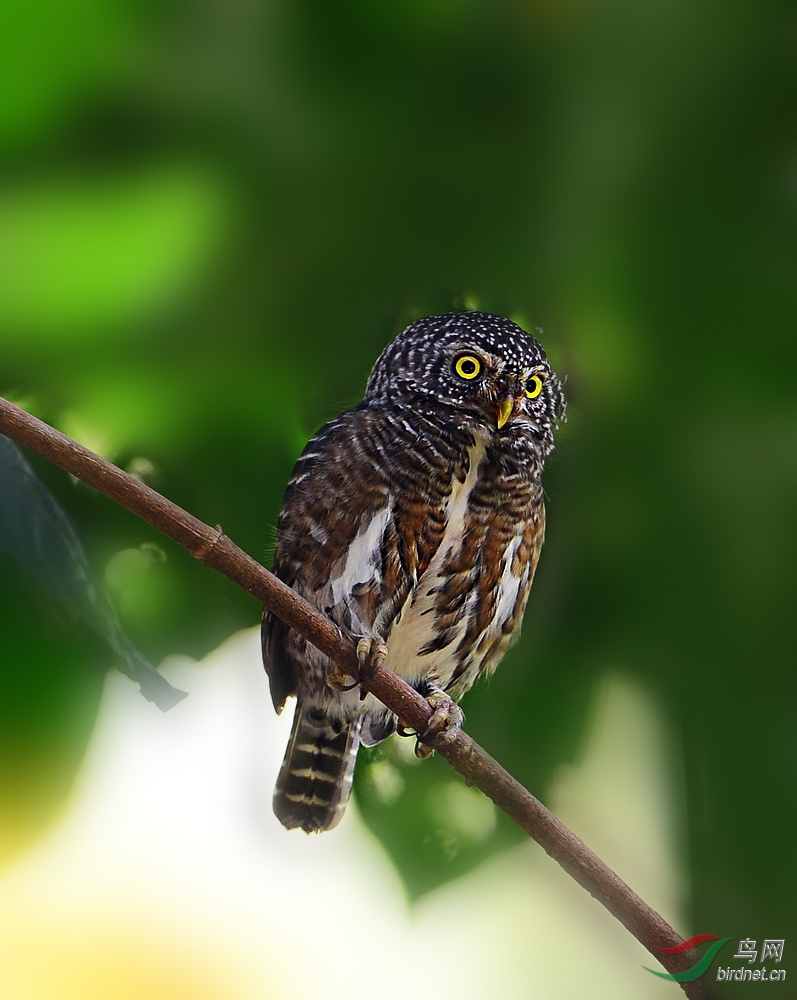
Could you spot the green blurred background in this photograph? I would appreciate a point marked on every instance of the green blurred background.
(215, 214)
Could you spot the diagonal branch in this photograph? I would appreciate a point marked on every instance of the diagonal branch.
(214, 549)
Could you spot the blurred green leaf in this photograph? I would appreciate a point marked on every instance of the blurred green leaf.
(52, 684)
(36, 532)
(79, 254)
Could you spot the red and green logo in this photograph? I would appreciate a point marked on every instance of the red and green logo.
(701, 966)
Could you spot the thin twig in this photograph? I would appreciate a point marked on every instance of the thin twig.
(214, 549)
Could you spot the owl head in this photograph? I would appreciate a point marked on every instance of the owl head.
(479, 365)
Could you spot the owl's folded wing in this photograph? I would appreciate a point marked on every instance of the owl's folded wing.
(363, 515)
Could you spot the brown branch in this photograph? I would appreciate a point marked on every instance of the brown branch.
(214, 549)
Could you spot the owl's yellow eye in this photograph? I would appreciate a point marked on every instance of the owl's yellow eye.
(467, 367)
(534, 386)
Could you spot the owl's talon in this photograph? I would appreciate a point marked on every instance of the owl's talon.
(371, 654)
(339, 680)
(444, 724)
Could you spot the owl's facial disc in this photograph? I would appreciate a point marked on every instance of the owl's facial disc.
(502, 393)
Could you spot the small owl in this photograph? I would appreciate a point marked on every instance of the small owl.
(415, 522)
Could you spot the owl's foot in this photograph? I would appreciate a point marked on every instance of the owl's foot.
(339, 680)
(445, 723)
(371, 654)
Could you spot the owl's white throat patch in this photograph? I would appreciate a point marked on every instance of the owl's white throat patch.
(457, 505)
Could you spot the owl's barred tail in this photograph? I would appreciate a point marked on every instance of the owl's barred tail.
(315, 779)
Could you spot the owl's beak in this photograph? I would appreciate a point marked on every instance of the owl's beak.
(505, 408)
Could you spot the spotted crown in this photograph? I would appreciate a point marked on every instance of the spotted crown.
(418, 363)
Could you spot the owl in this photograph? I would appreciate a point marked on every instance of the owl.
(414, 522)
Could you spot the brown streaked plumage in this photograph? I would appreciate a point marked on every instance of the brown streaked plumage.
(415, 520)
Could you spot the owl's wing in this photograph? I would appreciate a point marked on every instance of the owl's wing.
(363, 515)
